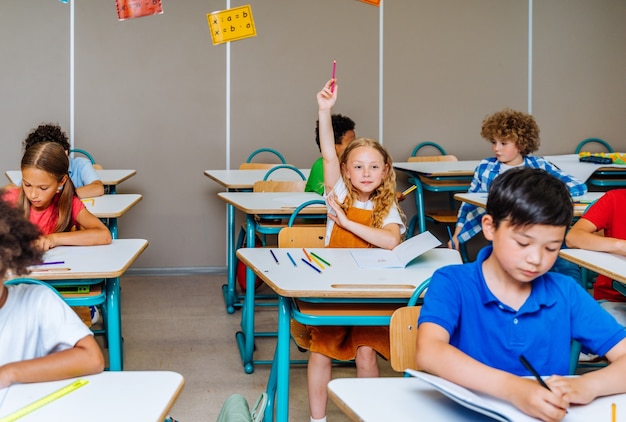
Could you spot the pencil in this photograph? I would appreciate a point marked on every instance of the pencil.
(311, 265)
(52, 263)
(306, 254)
(532, 370)
(613, 412)
(291, 259)
(316, 261)
(450, 234)
(275, 259)
(332, 86)
(320, 258)
(409, 190)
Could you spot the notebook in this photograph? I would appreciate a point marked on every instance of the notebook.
(398, 257)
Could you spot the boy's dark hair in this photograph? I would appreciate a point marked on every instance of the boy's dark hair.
(17, 241)
(341, 124)
(526, 196)
(47, 132)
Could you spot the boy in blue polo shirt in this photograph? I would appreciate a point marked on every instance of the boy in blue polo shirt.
(479, 318)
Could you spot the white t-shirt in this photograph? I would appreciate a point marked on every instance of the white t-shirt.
(36, 322)
(341, 191)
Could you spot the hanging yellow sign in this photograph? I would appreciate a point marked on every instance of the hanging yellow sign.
(231, 24)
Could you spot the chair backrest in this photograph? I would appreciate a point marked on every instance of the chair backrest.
(423, 158)
(89, 156)
(287, 167)
(279, 186)
(31, 281)
(596, 141)
(403, 337)
(302, 237)
(427, 144)
(266, 185)
(249, 165)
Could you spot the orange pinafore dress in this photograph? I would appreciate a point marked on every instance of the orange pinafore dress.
(339, 342)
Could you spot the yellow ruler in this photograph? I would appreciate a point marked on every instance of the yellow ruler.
(44, 401)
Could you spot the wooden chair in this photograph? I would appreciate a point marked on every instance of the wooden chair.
(249, 165)
(403, 338)
(445, 216)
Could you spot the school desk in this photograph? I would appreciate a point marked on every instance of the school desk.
(110, 177)
(267, 204)
(340, 283)
(580, 202)
(603, 175)
(108, 396)
(111, 207)
(436, 176)
(243, 180)
(89, 265)
(409, 399)
(608, 264)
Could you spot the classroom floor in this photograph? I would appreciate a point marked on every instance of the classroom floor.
(179, 323)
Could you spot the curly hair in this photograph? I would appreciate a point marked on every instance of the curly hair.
(341, 124)
(384, 197)
(17, 241)
(515, 125)
(51, 158)
(47, 132)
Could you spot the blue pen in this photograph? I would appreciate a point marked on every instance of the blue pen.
(450, 234)
(311, 265)
(291, 259)
(274, 256)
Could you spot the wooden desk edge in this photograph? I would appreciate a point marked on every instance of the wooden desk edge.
(120, 213)
(118, 181)
(44, 276)
(593, 267)
(174, 397)
(342, 406)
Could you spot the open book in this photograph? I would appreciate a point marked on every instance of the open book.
(500, 410)
(398, 257)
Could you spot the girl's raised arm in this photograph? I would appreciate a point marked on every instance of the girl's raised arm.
(326, 99)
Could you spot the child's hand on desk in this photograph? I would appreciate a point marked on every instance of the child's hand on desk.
(537, 401)
(574, 389)
(46, 242)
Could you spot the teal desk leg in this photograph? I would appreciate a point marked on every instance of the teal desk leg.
(114, 324)
(278, 383)
(113, 227)
(245, 338)
(229, 289)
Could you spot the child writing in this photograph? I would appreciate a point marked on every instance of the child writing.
(605, 215)
(81, 171)
(478, 319)
(48, 199)
(363, 212)
(513, 136)
(42, 338)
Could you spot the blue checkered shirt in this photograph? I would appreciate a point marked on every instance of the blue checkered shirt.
(470, 216)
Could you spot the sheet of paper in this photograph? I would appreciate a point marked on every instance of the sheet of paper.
(399, 257)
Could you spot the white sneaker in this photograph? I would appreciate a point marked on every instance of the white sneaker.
(95, 314)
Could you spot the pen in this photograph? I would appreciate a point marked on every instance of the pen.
(450, 234)
(332, 85)
(530, 368)
(321, 259)
(409, 190)
(274, 256)
(306, 254)
(291, 259)
(311, 265)
(52, 263)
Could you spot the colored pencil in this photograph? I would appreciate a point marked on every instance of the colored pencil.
(311, 265)
(320, 258)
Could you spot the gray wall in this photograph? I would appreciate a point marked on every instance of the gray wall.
(150, 92)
